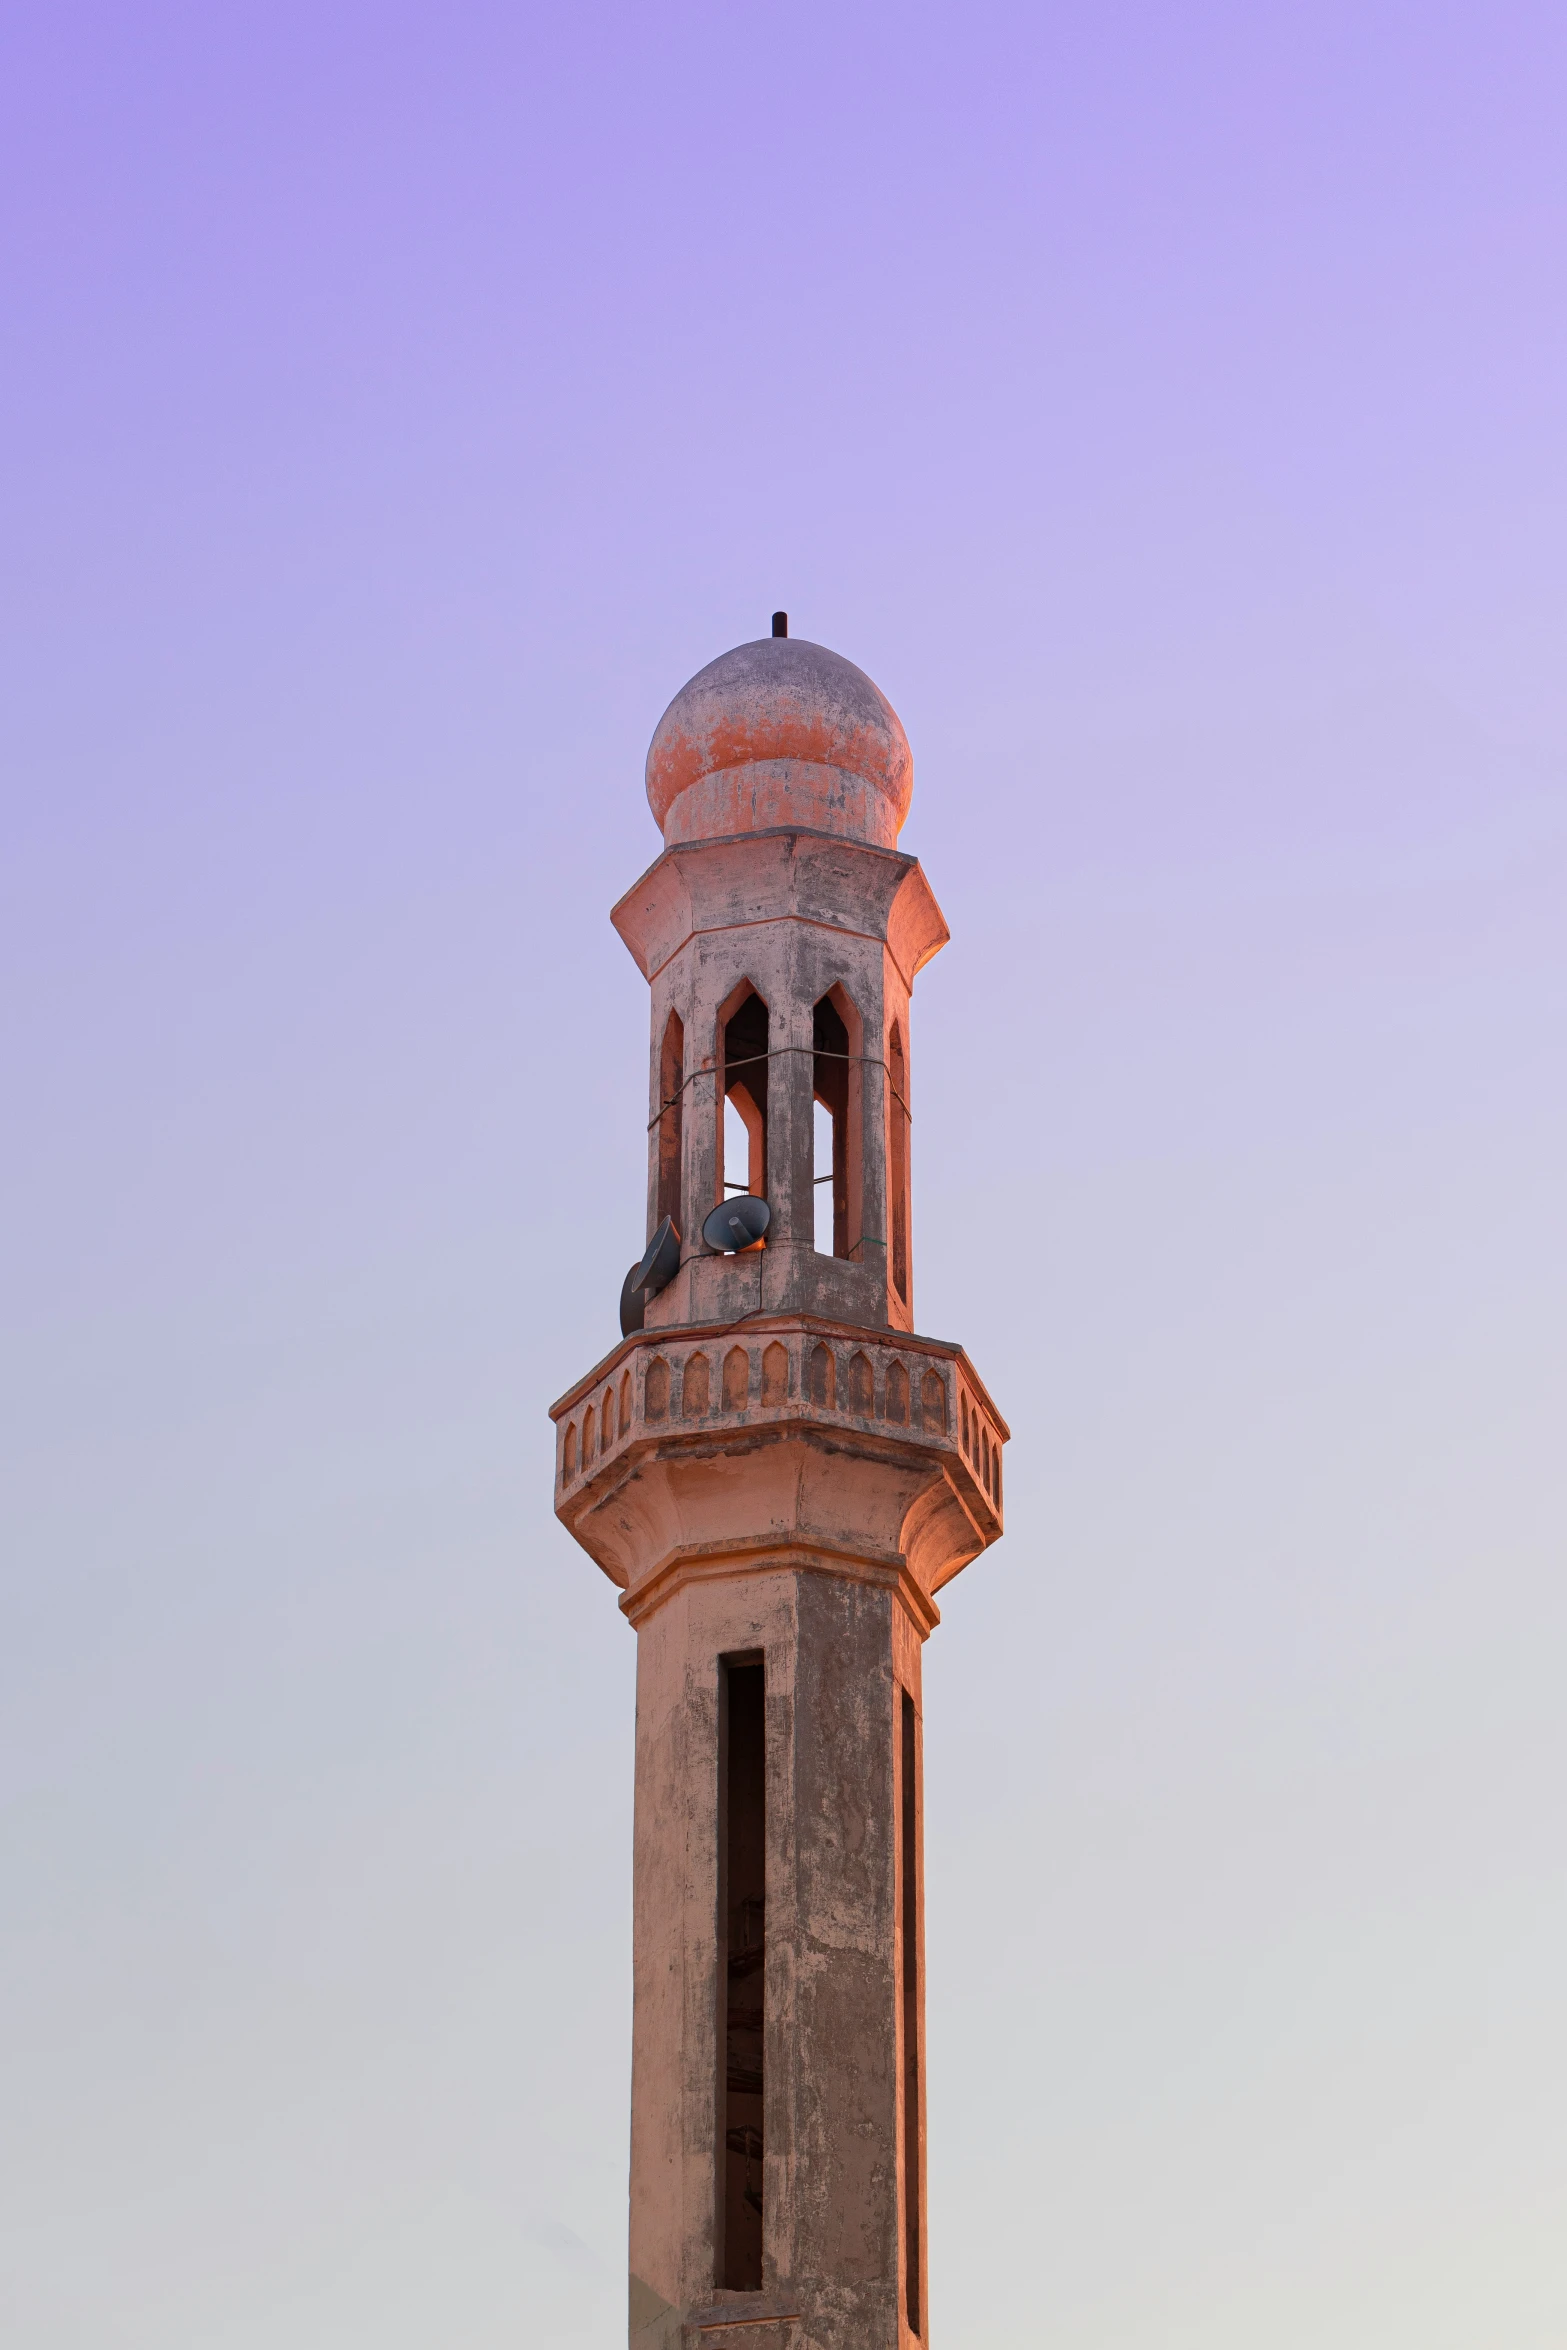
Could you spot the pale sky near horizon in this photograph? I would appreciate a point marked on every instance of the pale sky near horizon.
(1167, 408)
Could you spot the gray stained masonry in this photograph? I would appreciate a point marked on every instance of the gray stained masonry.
(779, 1474)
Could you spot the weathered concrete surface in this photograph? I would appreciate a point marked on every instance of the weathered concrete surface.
(897, 1478)
(836, 1664)
(777, 1470)
(793, 915)
(780, 732)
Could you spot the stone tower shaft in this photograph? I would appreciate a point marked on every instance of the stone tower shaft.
(779, 1475)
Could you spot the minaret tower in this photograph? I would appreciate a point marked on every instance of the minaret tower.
(779, 1475)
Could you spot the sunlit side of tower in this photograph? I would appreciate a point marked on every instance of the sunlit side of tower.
(779, 1475)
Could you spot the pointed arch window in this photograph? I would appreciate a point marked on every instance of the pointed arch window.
(671, 1118)
(898, 1159)
(743, 1032)
(835, 1087)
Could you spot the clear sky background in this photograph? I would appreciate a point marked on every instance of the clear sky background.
(1168, 408)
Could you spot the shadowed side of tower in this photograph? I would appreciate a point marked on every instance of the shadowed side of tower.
(779, 1475)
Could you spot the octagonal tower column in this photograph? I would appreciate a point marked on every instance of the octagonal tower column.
(780, 1475)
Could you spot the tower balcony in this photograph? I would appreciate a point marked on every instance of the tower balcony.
(787, 1442)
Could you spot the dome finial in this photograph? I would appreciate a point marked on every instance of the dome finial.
(780, 624)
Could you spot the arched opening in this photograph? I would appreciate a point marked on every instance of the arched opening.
(744, 1066)
(671, 1111)
(862, 1386)
(898, 1160)
(835, 1087)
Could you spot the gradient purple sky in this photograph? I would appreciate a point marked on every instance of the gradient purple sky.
(1169, 409)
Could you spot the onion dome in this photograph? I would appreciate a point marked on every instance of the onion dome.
(780, 732)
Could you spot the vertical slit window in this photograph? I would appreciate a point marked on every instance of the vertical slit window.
(745, 1099)
(910, 1939)
(898, 1171)
(830, 1085)
(671, 1112)
(742, 1918)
